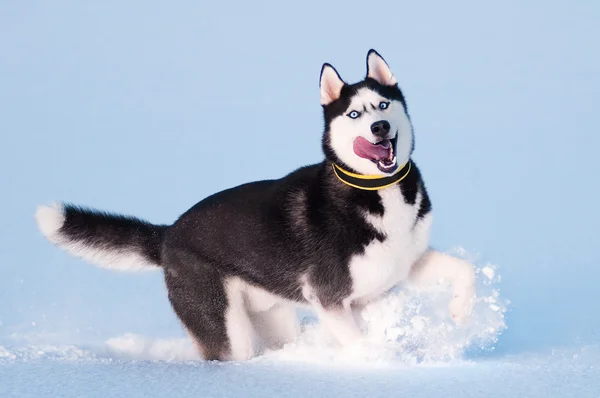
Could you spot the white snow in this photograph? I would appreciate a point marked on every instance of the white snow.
(132, 346)
(562, 373)
(411, 348)
(489, 272)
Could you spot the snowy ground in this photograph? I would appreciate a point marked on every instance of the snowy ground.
(561, 374)
(412, 349)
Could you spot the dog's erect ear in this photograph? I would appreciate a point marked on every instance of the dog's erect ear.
(379, 70)
(331, 84)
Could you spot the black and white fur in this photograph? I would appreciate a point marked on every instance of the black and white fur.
(238, 262)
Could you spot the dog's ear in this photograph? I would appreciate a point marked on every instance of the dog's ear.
(331, 84)
(378, 69)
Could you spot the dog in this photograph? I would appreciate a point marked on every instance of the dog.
(332, 236)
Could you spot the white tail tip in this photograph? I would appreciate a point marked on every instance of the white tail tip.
(50, 219)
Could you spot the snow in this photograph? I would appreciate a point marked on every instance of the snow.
(489, 272)
(571, 373)
(128, 106)
(412, 349)
(407, 330)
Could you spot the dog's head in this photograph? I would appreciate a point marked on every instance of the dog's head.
(367, 128)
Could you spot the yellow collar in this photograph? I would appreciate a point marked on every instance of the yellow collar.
(371, 182)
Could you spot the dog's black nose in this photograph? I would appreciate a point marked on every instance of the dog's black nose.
(380, 128)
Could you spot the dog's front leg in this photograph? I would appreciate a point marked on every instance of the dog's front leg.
(337, 318)
(435, 267)
(341, 323)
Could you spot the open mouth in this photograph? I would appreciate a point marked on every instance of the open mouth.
(382, 153)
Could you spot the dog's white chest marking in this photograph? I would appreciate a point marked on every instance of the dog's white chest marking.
(385, 264)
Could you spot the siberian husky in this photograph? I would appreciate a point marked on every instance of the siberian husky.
(333, 235)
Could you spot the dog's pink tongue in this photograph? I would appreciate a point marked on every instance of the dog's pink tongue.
(365, 149)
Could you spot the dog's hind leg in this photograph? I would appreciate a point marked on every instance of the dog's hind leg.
(277, 326)
(241, 335)
(200, 301)
(211, 309)
(435, 267)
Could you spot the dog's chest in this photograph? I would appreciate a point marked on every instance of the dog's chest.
(384, 264)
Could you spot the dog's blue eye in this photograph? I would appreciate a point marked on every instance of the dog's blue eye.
(383, 105)
(354, 114)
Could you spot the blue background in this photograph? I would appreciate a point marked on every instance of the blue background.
(147, 107)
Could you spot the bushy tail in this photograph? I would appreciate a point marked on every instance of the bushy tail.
(109, 240)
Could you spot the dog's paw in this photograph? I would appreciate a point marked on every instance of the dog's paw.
(461, 306)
